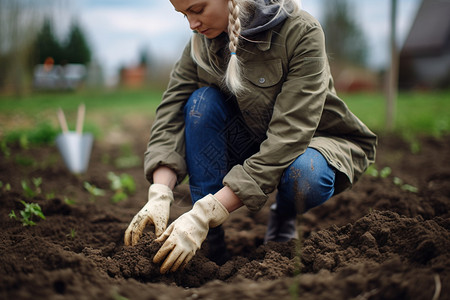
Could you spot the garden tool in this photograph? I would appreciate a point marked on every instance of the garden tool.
(75, 146)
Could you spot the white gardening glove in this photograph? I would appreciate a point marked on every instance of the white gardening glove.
(186, 234)
(155, 212)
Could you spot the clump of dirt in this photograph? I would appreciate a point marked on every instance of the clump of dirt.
(379, 240)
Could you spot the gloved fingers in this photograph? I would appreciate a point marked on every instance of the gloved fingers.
(180, 260)
(171, 254)
(130, 229)
(165, 248)
(138, 228)
(187, 260)
(160, 225)
(165, 234)
(127, 237)
(173, 260)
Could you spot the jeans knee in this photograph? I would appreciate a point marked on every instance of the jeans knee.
(308, 182)
(204, 104)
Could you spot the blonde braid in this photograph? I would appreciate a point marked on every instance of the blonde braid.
(233, 73)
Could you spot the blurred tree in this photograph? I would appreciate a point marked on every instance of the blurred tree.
(46, 45)
(18, 23)
(144, 57)
(345, 40)
(77, 50)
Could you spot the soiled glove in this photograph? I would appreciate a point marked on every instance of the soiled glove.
(186, 234)
(155, 212)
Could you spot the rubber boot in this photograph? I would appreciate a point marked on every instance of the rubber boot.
(280, 228)
(217, 248)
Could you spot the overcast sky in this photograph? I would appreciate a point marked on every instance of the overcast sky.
(118, 29)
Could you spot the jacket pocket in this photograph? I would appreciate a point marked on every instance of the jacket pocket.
(264, 73)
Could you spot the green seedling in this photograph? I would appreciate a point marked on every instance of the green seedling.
(117, 296)
(69, 201)
(372, 171)
(37, 184)
(122, 186)
(5, 187)
(12, 215)
(93, 190)
(5, 149)
(127, 158)
(72, 233)
(29, 192)
(404, 186)
(27, 214)
(41, 134)
(385, 172)
(24, 160)
(409, 188)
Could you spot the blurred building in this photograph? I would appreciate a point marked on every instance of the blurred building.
(49, 76)
(133, 77)
(425, 56)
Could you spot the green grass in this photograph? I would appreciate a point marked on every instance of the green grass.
(109, 102)
(417, 113)
(424, 113)
(26, 117)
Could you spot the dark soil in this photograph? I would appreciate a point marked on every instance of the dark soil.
(380, 240)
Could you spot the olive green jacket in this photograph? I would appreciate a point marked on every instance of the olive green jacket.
(291, 104)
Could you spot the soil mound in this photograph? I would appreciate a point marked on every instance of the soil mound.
(387, 238)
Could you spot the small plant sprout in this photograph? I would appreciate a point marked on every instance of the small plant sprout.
(93, 190)
(122, 186)
(72, 233)
(37, 184)
(69, 201)
(27, 214)
(404, 186)
(127, 158)
(50, 196)
(5, 186)
(5, 149)
(12, 215)
(372, 171)
(385, 172)
(30, 192)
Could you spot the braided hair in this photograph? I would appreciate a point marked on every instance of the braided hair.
(233, 73)
(238, 12)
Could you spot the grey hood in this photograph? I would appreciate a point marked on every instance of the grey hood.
(262, 16)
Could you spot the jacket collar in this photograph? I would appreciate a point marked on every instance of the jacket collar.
(263, 41)
(218, 43)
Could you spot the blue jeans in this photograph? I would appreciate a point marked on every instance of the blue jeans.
(217, 138)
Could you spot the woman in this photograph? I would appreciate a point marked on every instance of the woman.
(250, 108)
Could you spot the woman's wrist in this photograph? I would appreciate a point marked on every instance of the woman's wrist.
(228, 199)
(165, 175)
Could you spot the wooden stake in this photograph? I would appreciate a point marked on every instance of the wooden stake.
(62, 121)
(80, 118)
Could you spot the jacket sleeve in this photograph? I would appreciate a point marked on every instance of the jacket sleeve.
(296, 115)
(166, 145)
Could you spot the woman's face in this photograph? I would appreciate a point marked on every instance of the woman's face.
(208, 17)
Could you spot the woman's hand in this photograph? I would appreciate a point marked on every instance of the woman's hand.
(155, 212)
(186, 234)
